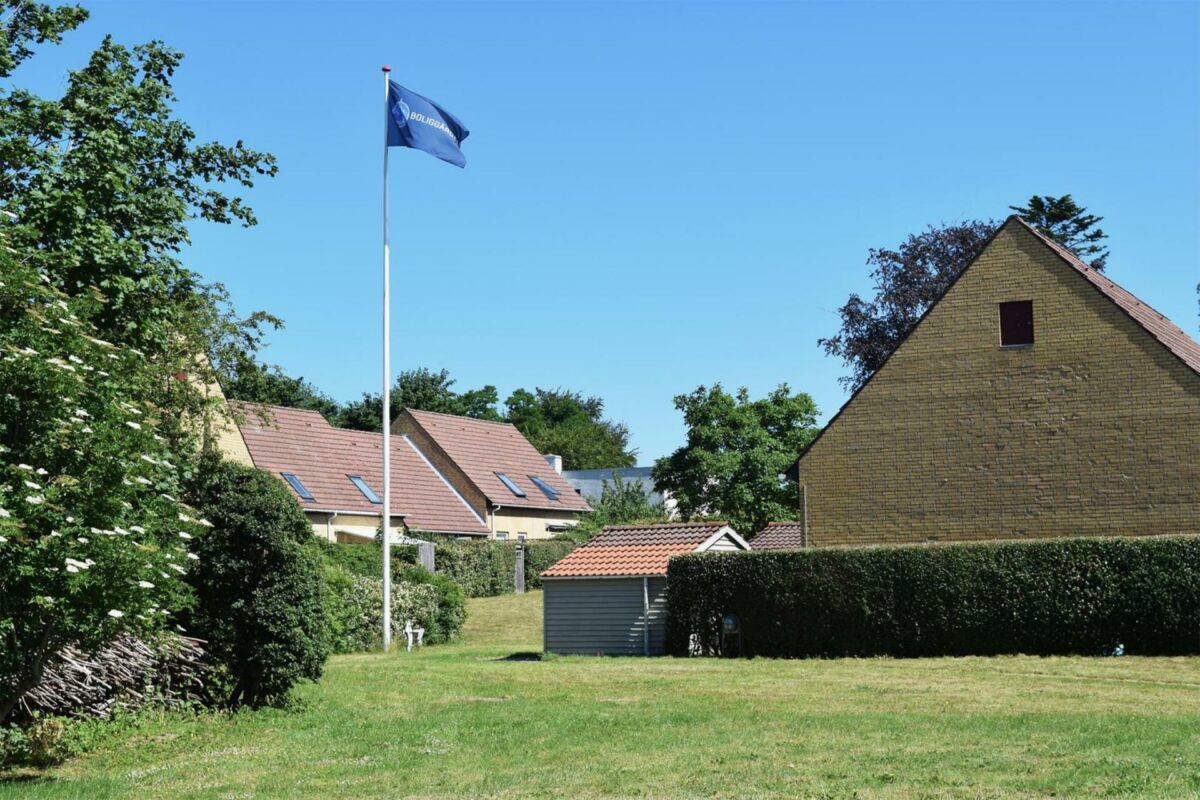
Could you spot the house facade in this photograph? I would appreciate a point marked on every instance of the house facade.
(337, 477)
(516, 490)
(1036, 398)
(440, 469)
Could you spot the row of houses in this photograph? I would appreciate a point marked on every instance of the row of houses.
(1036, 398)
(450, 475)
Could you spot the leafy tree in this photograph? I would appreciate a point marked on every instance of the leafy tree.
(910, 278)
(424, 390)
(1062, 219)
(736, 454)
(269, 385)
(571, 425)
(92, 539)
(621, 502)
(260, 588)
(104, 182)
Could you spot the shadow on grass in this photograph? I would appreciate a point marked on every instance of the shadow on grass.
(525, 656)
(23, 776)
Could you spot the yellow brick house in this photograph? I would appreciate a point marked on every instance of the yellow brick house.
(1036, 398)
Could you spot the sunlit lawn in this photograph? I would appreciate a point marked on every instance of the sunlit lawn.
(464, 720)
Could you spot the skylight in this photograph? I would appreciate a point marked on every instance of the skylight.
(295, 483)
(367, 491)
(512, 487)
(546, 488)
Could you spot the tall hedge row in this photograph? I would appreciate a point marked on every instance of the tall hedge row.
(1063, 596)
(487, 568)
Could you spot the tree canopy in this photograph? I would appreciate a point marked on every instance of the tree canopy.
(421, 389)
(1064, 221)
(736, 455)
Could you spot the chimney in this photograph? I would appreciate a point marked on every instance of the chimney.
(554, 461)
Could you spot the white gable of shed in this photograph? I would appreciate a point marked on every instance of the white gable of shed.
(723, 541)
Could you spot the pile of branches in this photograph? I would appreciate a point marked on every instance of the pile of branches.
(128, 673)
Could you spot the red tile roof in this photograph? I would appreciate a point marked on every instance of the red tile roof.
(779, 536)
(302, 442)
(633, 550)
(481, 449)
(1166, 332)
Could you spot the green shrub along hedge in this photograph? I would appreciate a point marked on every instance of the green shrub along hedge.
(1063, 596)
(354, 595)
(487, 568)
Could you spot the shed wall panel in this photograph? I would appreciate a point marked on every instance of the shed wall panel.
(602, 616)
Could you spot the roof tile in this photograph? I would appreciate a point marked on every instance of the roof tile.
(779, 536)
(633, 550)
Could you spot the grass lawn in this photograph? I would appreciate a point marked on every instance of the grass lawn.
(465, 720)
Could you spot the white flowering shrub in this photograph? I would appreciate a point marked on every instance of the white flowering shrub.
(93, 541)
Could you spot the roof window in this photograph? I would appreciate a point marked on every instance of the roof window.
(296, 484)
(367, 491)
(546, 488)
(512, 487)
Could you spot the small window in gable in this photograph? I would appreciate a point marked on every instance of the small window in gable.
(296, 484)
(1016, 323)
(512, 487)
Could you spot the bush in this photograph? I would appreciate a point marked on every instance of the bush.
(1067, 596)
(260, 589)
(487, 568)
(541, 555)
(433, 602)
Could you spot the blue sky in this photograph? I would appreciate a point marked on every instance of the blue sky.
(661, 195)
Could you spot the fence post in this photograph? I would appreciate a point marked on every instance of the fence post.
(425, 555)
(519, 569)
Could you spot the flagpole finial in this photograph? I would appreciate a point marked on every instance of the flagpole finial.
(386, 68)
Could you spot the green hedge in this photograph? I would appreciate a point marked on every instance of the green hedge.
(1063, 596)
(486, 568)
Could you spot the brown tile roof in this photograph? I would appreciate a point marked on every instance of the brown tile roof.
(779, 536)
(302, 442)
(481, 449)
(633, 550)
(1166, 332)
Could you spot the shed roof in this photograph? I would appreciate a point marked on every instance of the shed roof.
(481, 449)
(639, 550)
(322, 457)
(779, 536)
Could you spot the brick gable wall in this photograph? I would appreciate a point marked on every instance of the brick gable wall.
(1092, 430)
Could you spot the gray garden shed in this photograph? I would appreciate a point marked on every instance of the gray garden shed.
(608, 597)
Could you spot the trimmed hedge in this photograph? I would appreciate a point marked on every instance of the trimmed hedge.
(486, 568)
(1063, 596)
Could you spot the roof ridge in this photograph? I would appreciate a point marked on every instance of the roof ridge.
(651, 525)
(459, 416)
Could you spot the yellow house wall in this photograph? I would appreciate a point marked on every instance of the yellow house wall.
(529, 521)
(348, 527)
(1092, 430)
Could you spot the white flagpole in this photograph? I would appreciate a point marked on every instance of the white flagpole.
(387, 390)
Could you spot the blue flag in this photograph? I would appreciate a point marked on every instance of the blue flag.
(418, 122)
